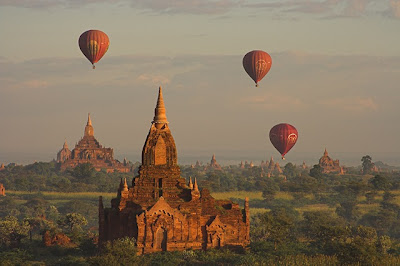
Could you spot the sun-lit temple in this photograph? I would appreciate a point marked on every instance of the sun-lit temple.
(165, 212)
(89, 150)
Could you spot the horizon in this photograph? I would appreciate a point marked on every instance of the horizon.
(334, 76)
(226, 158)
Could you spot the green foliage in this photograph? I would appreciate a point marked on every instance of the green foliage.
(84, 170)
(316, 171)
(275, 226)
(12, 231)
(290, 170)
(118, 252)
(367, 165)
(73, 221)
(380, 182)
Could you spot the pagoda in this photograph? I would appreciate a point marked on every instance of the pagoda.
(329, 165)
(163, 211)
(89, 150)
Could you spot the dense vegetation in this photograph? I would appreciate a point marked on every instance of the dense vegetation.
(299, 217)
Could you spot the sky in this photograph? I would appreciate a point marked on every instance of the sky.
(335, 77)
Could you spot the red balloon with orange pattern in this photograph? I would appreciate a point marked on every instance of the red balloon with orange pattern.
(257, 64)
(283, 137)
(94, 44)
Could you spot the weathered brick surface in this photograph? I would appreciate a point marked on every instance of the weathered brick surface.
(163, 213)
(329, 165)
(2, 190)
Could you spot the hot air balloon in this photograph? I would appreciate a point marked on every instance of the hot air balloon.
(283, 137)
(94, 44)
(257, 63)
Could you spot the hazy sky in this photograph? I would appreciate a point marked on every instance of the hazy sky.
(335, 76)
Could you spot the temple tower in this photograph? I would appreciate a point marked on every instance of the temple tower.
(162, 212)
(89, 131)
(64, 154)
(159, 174)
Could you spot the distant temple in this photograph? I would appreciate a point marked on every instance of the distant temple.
(164, 213)
(2, 167)
(89, 150)
(213, 164)
(328, 165)
(271, 167)
(2, 190)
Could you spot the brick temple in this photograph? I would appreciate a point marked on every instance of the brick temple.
(163, 211)
(89, 150)
(2, 190)
(329, 165)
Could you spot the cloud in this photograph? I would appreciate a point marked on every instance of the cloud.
(330, 9)
(356, 104)
(154, 79)
(394, 9)
(273, 101)
(45, 4)
(210, 7)
(31, 84)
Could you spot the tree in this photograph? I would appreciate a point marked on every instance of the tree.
(275, 226)
(367, 165)
(119, 252)
(74, 222)
(348, 209)
(360, 247)
(84, 170)
(380, 182)
(12, 231)
(270, 189)
(316, 171)
(289, 170)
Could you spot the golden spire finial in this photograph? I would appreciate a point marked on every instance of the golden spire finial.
(125, 187)
(65, 146)
(196, 187)
(160, 116)
(89, 121)
(89, 128)
(190, 182)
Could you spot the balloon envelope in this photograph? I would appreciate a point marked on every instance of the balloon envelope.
(283, 137)
(257, 63)
(94, 44)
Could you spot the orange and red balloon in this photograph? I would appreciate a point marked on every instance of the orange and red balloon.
(94, 44)
(257, 63)
(283, 137)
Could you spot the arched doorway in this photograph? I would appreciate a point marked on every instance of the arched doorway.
(161, 239)
(216, 242)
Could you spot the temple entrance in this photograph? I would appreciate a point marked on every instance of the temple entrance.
(161, 239)
(216, 242)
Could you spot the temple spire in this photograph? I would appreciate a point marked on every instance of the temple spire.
(195, 187)
(325, 152)
(125, 186)
(89, 128)
(89, 121)
(190, 182)
(65, 146)
(160, 117)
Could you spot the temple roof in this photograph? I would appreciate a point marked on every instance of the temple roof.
(160, 116)
(89, 131)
